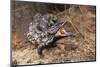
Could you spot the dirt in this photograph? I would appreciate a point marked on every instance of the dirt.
(82, 47)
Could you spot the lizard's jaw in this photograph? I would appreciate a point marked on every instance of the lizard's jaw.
(62, 32)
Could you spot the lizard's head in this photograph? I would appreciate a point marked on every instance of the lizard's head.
(58, 30)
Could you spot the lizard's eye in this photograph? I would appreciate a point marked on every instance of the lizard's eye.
(52, 20)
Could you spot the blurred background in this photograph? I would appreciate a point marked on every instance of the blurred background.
(82, 20)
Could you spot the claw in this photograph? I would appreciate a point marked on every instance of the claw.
(40, 51)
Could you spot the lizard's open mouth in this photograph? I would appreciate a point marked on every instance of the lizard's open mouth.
(58, 30)
(62, 32)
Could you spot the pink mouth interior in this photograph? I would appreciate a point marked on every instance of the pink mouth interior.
(61, 32)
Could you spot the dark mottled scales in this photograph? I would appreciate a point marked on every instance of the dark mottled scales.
(38, 30)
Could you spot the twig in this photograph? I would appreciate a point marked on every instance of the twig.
(82, 15)
(57, 9)
(74, 26)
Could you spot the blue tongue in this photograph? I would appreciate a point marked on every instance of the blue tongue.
(70, 34)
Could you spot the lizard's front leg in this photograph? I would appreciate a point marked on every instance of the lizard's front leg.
(40, 49)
